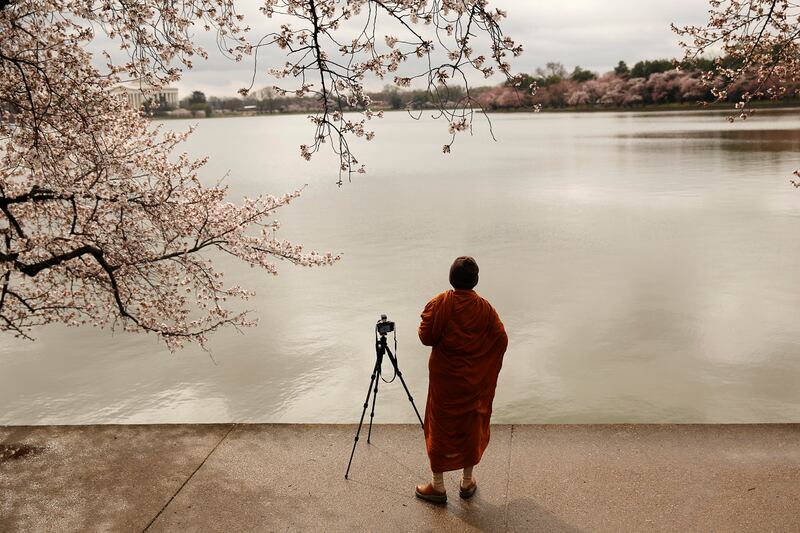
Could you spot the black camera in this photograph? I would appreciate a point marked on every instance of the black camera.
(384, 326)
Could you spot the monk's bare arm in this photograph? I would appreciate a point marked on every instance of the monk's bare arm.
(426, 326)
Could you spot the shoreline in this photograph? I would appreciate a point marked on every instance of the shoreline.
(661, 108)
(244, 477)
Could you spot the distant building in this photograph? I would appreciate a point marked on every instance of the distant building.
(138, 93)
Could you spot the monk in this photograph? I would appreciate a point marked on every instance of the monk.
(468, 341)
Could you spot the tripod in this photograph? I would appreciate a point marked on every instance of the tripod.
(381, 348)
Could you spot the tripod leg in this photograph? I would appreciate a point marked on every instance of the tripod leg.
(361, 422)
(400, 375)
(372, 413)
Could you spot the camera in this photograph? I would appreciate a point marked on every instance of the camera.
(384, 326)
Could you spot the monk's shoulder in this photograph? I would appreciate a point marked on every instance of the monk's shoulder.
(442, 296)
(489, 308)
(483, 301)
(436, 300)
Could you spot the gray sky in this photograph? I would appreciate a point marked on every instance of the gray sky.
(594, 34)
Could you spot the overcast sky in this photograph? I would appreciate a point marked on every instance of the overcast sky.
(594, 34)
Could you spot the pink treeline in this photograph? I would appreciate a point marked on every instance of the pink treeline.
(613, 90)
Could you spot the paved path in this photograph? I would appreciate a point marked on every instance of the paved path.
(291, 478)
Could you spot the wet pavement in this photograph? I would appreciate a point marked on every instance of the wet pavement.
(285, 477)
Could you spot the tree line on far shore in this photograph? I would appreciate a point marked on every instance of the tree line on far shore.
(646, 83)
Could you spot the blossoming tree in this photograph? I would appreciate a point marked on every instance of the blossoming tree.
(104, 222)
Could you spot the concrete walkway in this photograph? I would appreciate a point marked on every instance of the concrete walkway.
(291, 478)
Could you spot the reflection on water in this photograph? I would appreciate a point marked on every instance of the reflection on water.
(645, 265)
(734, 140)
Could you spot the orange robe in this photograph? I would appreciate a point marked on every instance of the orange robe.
(468, 341)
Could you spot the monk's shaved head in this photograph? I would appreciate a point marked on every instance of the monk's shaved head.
(464, 273)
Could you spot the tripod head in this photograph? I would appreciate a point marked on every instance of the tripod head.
(384, 326)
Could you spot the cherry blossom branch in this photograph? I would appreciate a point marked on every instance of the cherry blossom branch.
(343, 68)
(103, 223)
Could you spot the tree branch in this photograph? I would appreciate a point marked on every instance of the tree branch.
(32, 270)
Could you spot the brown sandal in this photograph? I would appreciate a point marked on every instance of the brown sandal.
(428, 493)
(467, 493)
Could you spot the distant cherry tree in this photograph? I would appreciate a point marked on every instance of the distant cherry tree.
(612, 90)
(104, 222)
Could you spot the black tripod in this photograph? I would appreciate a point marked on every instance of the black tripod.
(381, 329)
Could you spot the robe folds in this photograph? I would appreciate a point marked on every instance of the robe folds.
(468, 341)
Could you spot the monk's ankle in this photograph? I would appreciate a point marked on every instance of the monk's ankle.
(466, 477)
(438, 481)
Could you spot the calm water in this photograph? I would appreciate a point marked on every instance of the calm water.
(646, 267)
